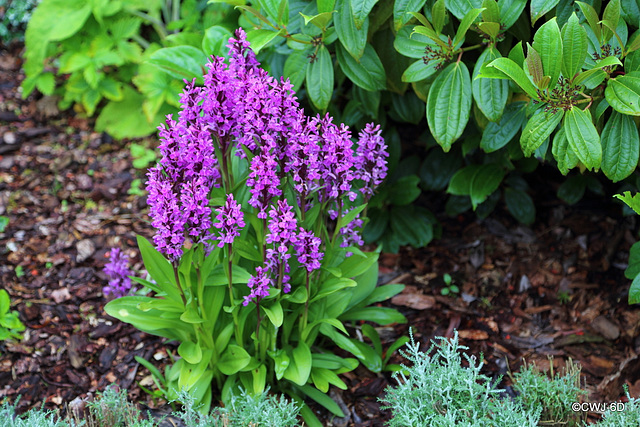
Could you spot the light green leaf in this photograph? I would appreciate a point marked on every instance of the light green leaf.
(159, 268)
(181, 62)
(368, 73)
(360, 10)
(620, 147)
(540, 7)
(634, 291)
(498, 134)
(295, 67)
(299, 367)
(564, 155)
(320, 79)
(215, 40)
(592, 18)
(449, 104)
(548, 43)
(352, 38)
(583, 137)
(611, 15)
(320, 20)
(260, 38)
(575, 45)
(411, 44)
(623, 94)
(379, 315)
(538, 129)
(491, 12)
(634, 257)
(606, 62)
(510, 11)
(233, 360)
(419, 71)
(466, 22)
(190, 351)
(490, 94)
(401, 9)
(274, 313)
(438, 15)
(515, 72)
(460, 8)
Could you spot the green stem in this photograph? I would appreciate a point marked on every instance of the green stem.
(234, 313)
(175, 15)
(156, 23)
(142, 42)
(305, 316)
(468, 48)
(175, 274)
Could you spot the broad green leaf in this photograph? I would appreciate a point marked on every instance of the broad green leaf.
(274, 313)
(583, 137)
(323, 377)
(181, 62)
(402, 9)
(299, 367)
(562, 152)
(575, 45)
(510, 11)
(411, 44)
(623, 94)
(516, 54)
(634, 291)
(520, 205)
(491, 12)
(438, 15)
(383, 293)
(5, 303)
(476, 181)
(611, 15)
(360, 10)
(449, 104)
(419, 71)
(260, 38)
(404, 191)
(233, 360)
(322, 399)
(320, 20)
(295, 67)
(592, 18)
(634, 203)
(460, 8)
(190, 351)
(353, 39)
(379, 315)
(320, 79)
(498, 134)
(159, 268)
(426, 31)
(326, 5)
(466, 22)
(280, 362)
(548, 43)
(490, 94)
(215, 40)
(515, 72)
(620, 147)
(606, 62)
(368, 72)
(540, 7)
(492, 29)
(538, 129)
(411, 226)
(437, 169)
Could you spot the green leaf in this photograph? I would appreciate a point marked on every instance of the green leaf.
(498, 134)
(623, 94)
(233, 360)
(320, 20)
(274, 313)
(299, 367)
(633, 269)
(606, 62)
(379, 315)
(215, 40)
(592, 18)
(548, 43)
(466, 22)
(181, 62)
(353, 39)
(520, 205)
(410, 43)
(437, 169)
(575, 45)
(634, 291)
(538, 129)
(190, 351)
(260, 38)
(368, 72)
(572, 190)
(419, 71)
(360, 10)
(491, 12)
(5, 304)
(562, 152)
(460, 8)
(541, 7)
(320, 79)
(402, 9)
(620, 147)
(404, 191)
(490, 94)
(280, 362)
(515, 72)
(159, 268)
(583, 137)
(611, 15)
(323, 377)
(438, 15)
(510, 11)
(411, 225)
(322, 399)
(449, 104)
(476, 181)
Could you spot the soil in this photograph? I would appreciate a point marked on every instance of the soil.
(556, 288)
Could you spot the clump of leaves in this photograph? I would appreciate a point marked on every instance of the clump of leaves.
(554, 393)
(628, 417)
(10, 324)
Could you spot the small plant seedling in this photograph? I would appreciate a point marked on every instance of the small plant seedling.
(4, 221)
(19, 271)
(10, 324)
(136, 188)
(142, 156)
(563, 297)
(450, 287)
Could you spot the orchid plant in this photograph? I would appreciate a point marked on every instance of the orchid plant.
(255, 265)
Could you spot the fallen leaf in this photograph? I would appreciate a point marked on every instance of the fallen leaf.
(473, 334)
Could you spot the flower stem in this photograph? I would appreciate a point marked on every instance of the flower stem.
(234, 313)
(175, 274)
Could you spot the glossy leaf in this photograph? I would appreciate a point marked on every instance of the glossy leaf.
(634, 203)
(583, 77)
(620, 147)
(623, 93)
(260, 38)
(233, 360)
(583, 137)
(490, 94)
(510, 11)
(575, 45)
(592, 18)
(515, 72)
(215, 40)
(181, 62)
(476, 181)
(353, 39)
(538, 129)
(466, 22)
(540, 7)
(360, 10)
(611, 15)
(634, 291)
(498, 134)
(295, 67)
(299, 367)
(520, 205)
(438, 15)
(419, 71)
(460, 8)
(190, 351)
(491, 12)
(548, 43)
(565, 157)
(411, 44)
(402, 9)
(320, 79)
(368, 72)
(379, 315)
(449, 104)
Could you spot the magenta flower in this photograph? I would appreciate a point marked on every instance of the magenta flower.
(307, 248)
(259, 284)
(230, 221)
(371, 159)
(117, 270)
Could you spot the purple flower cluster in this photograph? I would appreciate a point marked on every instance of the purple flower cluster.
(308, 250)
(371, 159)
(230, 221)
(117, 270)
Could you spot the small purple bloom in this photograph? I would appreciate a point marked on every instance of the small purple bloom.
(371, 159)
(282, 235)
(230, 221)
(263, 181)
(259, 284)
(117, 270)
(336, 158)
(308, 250)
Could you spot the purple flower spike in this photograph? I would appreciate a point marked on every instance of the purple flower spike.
(263, 180)
(230, 220)
(259, 284)
(337, 159)
(308, 250)
(117, 270)
(371, 159)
